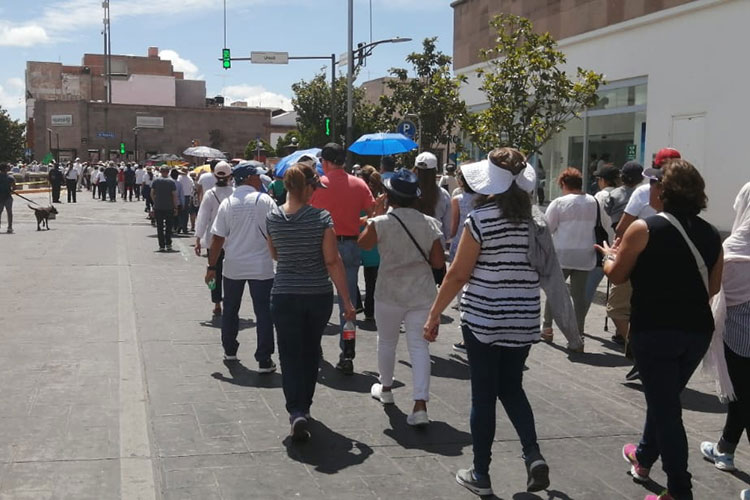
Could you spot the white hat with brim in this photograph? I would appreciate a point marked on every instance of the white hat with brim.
(484, 177)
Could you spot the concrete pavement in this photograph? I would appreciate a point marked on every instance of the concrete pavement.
(112, 386)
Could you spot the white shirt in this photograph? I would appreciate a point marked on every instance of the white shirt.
(139, 173)
(444, 214)
(571, 219)
(638, 204)
(100, 176)
(72, 174)
(207, 180)
(207, 212)
(187, 185)
(241, 219)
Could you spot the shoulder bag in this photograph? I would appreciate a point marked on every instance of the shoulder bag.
(600, 234)
(413, 240)
(702, 268)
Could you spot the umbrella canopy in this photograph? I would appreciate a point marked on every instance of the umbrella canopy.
(204, 152)
(201, 169)
(164, 157)
(291, 159)
(382, 144)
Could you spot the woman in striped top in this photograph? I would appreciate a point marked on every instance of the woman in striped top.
(302, 241)
(499, 310)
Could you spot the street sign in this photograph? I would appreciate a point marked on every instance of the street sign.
(343, 59)
(106, 135)
(269, 57)
(408, 128)
(630, 154)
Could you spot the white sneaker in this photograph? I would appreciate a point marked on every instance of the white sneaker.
(722, 461)
(230, 358)
(418, 419)
(377, 392)
(745, 495)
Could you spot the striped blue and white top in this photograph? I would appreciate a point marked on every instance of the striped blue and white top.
(500, 304)
(298, 240)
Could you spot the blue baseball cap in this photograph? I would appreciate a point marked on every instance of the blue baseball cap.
(246, 169)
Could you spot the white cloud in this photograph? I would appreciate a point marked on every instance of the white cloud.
(256, 96)
(22, 36)
(185, 65)
(12, 97)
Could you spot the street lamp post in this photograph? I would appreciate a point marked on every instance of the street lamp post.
(135, 134)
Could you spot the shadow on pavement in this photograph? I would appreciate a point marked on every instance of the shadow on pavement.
(603, 359)
(741, 475)
(329, 376)
(215, 322)
(438, 437)
(326, 450)
(245, 377)
(692, 400)
(453, 367)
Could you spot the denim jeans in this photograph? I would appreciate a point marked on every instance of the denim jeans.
(497, 373)
(300, 321)
(350, 254)
(666, 360)
(592, 283)
(6, 204)
(164, 226)
(260, 292)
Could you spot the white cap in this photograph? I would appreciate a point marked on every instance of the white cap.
(222, 169)
(426, 161)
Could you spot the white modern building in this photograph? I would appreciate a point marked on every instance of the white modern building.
(676, 71)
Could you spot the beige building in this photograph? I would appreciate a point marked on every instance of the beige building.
(153, 109)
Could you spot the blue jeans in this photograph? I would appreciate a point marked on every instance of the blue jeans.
(666, 360)
(350, 254)
(260, 292)
(497, 373)
(592, 283)
(300, 321)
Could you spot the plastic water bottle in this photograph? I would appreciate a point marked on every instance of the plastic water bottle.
(349, 336)
(212, 284)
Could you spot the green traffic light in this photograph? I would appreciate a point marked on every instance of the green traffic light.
(226, 58)
(122, 148)
(328, 126)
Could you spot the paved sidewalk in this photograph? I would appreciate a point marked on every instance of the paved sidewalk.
(112, 386)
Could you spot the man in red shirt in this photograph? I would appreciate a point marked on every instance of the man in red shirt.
(346, 197)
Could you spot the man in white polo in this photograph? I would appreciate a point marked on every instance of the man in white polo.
(240, 229)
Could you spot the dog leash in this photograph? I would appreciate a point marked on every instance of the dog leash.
(20, 196)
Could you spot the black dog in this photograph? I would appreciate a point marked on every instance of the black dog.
(42, 215)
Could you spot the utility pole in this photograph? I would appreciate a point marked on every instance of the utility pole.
(350, 84)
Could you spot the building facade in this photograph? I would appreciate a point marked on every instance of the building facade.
(150, 109)
(673, 71)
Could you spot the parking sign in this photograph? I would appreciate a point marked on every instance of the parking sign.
(408, 128)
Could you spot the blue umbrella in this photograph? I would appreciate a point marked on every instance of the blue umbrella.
(291, 159)
(382, 144)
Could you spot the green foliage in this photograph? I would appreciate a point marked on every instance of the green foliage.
(530, 98)
(252, 148)
(285, 141)
(432, 93)
(312, 102)
(11, 138)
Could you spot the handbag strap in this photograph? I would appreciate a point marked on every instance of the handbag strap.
(421, 252)
(696, 254)
(598, 213)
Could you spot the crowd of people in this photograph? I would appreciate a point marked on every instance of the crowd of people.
(473, 237)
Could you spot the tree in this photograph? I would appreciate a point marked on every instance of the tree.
(312, 102)
(432, 94)
(11, 138)
(251, 149)
(283, 142)
(530, 98)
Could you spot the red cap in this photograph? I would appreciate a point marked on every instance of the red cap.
(665, 154)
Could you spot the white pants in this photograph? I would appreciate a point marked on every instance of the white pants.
(389, 318)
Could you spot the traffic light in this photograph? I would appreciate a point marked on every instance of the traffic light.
(327, 122)
(360, 54)
(122, 148)
(226, 58)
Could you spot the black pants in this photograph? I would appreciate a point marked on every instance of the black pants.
(138, 192)
(738, 415)
(56, 192)
(93, 190)
(371, 277)
(71, 185)
(216, 292)
(164, 221)
(300, 321)
(439, 275)
(103, 187)
(128, 194)
(112, 190)
(666, 360)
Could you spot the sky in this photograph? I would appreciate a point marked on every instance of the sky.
(191, 34)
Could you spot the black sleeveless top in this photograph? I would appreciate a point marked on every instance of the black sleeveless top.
(668, 292)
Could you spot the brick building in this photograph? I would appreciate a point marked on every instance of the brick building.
(153, 109)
